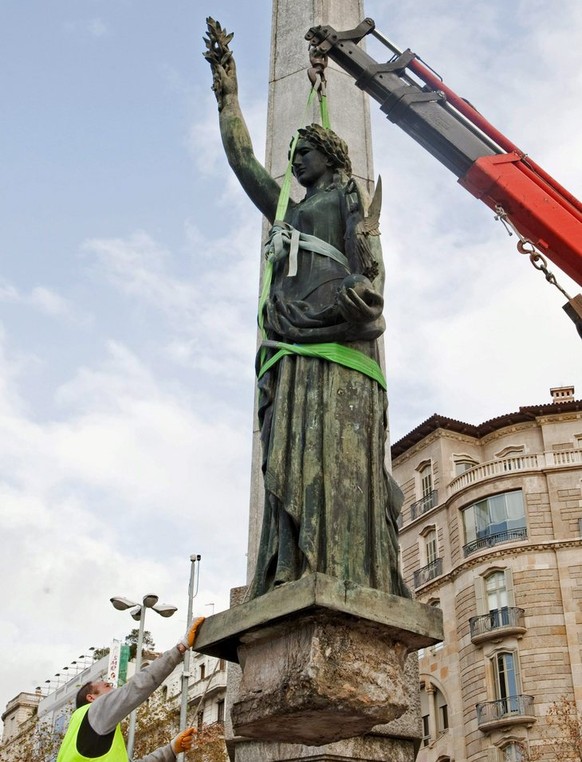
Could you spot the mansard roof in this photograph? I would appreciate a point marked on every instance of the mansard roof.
(524, 414)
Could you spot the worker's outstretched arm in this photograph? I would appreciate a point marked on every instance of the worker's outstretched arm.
(110, 708)
(168, 753)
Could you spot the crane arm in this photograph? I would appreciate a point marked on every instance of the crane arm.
(484, 161)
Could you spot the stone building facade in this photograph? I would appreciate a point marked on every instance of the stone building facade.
(491, 532)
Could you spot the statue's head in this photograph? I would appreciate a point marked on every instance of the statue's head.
(331, 146)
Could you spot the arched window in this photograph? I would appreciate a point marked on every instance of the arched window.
(434, 712)
(512, 752)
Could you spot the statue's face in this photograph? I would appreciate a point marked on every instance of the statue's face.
(310, 164)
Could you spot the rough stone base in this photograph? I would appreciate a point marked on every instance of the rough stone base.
(329, 677)
(323, 660)
(372, 748)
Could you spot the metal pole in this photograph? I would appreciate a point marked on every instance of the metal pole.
(186, 670)
(133, 715)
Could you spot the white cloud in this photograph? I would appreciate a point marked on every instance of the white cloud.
(210, 310)
(112, 499)
(94, 27)
(97, 27)
(44, 300)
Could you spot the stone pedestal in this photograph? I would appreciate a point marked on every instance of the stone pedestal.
(372, 748)
(322, 659)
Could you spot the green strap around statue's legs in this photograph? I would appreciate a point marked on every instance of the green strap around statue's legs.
(330, 351)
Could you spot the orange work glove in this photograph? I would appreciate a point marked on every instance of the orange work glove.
(183, 741)
(190, 636)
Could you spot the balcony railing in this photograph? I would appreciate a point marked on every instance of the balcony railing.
(507, 620)
(428, 572)
(523, 462)
(511, 710)
(423, 505)
(510, 535)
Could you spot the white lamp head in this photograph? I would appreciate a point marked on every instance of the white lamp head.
(165, 609)
(121, 603)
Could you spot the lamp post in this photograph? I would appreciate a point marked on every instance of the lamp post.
(192, 593)
(138, 613)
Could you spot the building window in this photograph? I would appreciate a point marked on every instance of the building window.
(443, 718)
(463, 464)
(434, 712)
(200, 720)
(495, 606)
(495, 519)
(433, 566)
(220, 708)
(202, 671)
(496, 590)
(425, 730)
(512, 752)
(435, 602)
(424, 486)
(497, 598)
(426, 480)
(430, 546)
(505, 673)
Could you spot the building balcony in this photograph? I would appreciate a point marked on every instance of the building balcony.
(428, 572)
(497, 624)
(513, 710)
(515, 463)
(423, 505)
(509, 535)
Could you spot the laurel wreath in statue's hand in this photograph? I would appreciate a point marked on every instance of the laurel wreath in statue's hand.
(221, 60)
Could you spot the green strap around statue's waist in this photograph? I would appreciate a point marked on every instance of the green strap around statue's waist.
(330, 351)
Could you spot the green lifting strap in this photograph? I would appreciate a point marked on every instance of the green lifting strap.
(330, 351)
(286, 184)
(324, 112)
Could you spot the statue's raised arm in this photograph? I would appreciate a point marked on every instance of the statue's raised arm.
(254, 178)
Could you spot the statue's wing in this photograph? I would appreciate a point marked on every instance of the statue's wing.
(372, 221)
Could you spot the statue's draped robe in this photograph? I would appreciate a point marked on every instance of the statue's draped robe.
(330, 505)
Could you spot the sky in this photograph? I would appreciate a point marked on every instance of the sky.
(128, 290)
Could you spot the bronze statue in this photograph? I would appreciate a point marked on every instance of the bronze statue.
(330, 505)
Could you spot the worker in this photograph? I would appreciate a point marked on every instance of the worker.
(94, 731)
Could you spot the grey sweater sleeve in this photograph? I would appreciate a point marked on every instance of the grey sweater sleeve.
(163, 754)
(110, 708)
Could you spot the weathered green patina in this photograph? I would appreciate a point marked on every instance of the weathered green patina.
(330, 505)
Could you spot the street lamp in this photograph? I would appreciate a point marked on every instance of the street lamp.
(192, 593)
(138, 613)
